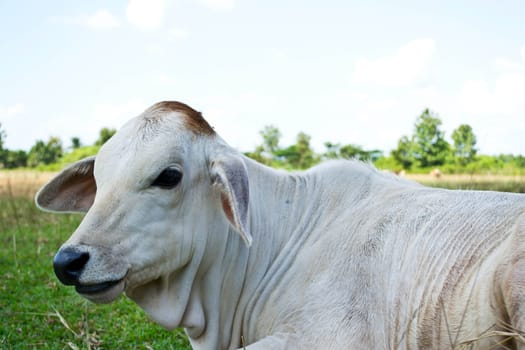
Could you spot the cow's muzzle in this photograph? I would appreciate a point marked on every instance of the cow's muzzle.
(68, 265)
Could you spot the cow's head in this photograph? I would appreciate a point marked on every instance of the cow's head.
(153, 197)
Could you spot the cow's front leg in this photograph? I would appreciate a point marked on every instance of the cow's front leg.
(278, 341)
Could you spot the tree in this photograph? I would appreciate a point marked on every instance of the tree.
(333, 150)
(404, 153)
(45, 153)
(350, 151)
(104, 135)
(2, 137)
(271, 136)
(15, 159)
(430, 147)
(3, 152)
(305, 152)
(266, 153)
(300, 155)
(258, 156)
(464, 144)
(75, 143)
(10, 159)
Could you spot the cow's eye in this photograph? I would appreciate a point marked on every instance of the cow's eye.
(168, 178)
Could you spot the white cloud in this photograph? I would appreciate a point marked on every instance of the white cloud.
(13, 110)
(407, 66)
(14, 121)
(165, 79)
(494, 107)
(155, 49)
(233, 117)
(146, 14)
(178, 33)
(475, 97)
(371, 119)
(219, 5)
(102, 19)
(8, 115)
(69, 123)
(505, 96)
(377, 118)
(89, 124)
(116, 114)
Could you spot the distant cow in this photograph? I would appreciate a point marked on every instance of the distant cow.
(338, 257)
(435, 173)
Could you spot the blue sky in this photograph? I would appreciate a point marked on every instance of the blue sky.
(341, 71)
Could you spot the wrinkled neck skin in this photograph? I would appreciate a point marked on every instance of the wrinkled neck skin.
(218, 296)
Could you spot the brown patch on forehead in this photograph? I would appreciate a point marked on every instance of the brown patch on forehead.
(192, 119)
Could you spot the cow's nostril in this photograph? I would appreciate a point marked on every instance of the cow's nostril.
(68, 265)
(78, 264)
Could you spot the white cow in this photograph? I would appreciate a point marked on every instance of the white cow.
(337, 257)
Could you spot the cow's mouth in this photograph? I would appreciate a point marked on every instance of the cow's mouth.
(96, 288)
(103, 292)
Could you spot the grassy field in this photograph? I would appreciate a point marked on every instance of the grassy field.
(473, 182)
(36, 312)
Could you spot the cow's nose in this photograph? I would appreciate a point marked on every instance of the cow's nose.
(68, 265)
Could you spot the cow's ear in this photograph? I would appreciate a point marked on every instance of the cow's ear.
(72, 190)
(229, 174)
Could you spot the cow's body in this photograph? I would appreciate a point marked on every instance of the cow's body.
(343, 257)
(365, 260)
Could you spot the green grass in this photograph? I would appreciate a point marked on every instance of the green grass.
(37, 312)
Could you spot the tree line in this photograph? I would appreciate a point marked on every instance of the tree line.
(50, 152)
(425, 149)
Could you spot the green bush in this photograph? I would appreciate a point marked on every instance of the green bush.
(71, 157)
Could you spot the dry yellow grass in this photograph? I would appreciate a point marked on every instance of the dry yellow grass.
(25, 183)
(506, 183)
(465, 178)
(22, 183)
